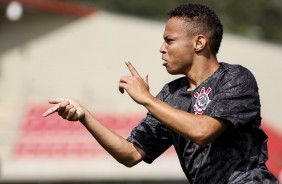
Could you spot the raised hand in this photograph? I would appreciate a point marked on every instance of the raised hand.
(66, 108)
(136, 86)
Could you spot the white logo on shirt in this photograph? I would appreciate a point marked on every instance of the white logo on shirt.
(202, 100)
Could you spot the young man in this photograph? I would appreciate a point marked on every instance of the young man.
(211, 115)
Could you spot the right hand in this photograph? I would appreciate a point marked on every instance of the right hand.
(67, 109)
(136, 86)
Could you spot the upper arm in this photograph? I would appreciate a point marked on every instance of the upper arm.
(236, 101)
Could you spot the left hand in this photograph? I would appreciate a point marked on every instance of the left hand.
(136, 86)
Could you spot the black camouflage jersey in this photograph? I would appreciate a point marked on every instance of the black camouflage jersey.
(239, 154)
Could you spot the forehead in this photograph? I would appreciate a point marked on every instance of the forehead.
(175, 26)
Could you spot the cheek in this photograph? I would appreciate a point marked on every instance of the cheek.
(180, 53)
(174, 51)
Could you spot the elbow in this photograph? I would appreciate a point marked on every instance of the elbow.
(129, 162)
(207, 132)
(202, 142)
(203, 138)
(131, 158)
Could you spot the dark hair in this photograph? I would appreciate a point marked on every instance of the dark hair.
(205, 21)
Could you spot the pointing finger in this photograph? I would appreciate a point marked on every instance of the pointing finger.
(51, 110)
(132, 70)
(56, 100)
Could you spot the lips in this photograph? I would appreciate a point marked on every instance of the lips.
(164, 62)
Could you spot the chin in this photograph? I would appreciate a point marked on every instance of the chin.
(172, 72)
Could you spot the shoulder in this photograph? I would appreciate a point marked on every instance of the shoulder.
(237, 75)
(177, 83)
(172, 87)
(235, 70)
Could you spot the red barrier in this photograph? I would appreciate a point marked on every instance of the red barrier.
(274, 162)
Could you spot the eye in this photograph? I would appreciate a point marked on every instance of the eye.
(168, 40)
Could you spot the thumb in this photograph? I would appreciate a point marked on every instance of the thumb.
(146, 79)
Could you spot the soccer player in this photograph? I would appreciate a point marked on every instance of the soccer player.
(211, 115)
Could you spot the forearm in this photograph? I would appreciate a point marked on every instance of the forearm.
(122, 150)
(200, 129)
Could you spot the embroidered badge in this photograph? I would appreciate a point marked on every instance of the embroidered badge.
(202, 100)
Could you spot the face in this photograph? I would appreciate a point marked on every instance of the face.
(177, 49)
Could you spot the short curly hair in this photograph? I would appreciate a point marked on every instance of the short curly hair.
(204, 20)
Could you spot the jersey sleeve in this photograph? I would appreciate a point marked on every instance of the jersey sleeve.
(151, 135)
(236, 98)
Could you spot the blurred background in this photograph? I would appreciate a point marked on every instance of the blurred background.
(76, 49)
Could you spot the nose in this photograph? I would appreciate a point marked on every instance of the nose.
(163, 49)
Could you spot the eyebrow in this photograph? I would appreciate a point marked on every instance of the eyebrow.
(168, 37)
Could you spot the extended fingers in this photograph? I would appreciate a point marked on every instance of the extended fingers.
(56, 100)
(59, 107)
(54, 108)
(132, 70)
(51, 110)
(66, 108)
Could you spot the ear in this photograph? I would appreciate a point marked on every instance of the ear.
(200, 43)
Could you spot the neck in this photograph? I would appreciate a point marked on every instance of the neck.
(201, 69)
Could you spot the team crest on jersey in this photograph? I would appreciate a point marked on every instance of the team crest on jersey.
(202, 100)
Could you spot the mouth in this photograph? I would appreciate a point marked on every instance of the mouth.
(164, 62)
